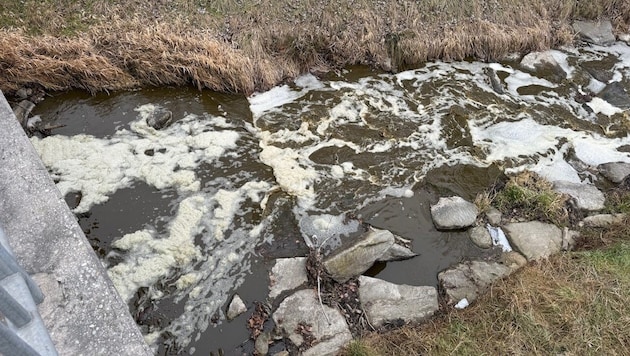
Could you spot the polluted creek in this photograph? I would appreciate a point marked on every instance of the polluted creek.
(197, 201)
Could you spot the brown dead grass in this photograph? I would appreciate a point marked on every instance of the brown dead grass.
(572, 304)
(242, 46)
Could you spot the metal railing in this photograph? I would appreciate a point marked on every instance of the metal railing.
(22, 331)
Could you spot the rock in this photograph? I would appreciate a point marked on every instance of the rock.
(470, 279)
(513, 260)
(453, 213)
(282, 353)
(302, 310)
(262, 344)
(599, 33)
(568, 239)
(159, 118)
(535, 240)
(396, 253)
(480, 236)
(625, 37)
(23, 93)
(543, 61)
(616, 95)
(495, 82)
(359, 257)
(614, 171)
(22, 110)
(384, 301)
(586, 196)
(494, 216)
(287, 274)
(603, 220)
(236, 308)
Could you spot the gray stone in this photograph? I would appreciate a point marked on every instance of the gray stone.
(82, 310)
(453, 213)
(569, 237)
(513, 260)
(615, 94)
(543, 61)
(22, 110)
(286, 275)
(495, 82)
(535, 240)
(599, 33)
(384, 301)
(396, 253)
(494, 216)
(603, 220)
(614, 171)
(359, 257)
(470, 279)
(262, 344)
(303, 308)
(159, 118)
(586, 196)
(625, 37)
(236, 307)
(480, 236)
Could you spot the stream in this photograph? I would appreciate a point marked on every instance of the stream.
(186, 216)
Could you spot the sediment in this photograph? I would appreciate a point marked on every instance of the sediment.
(245, 46)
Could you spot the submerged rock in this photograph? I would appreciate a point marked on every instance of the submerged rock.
(287, 274)
(534, 239)
(616, 95)
(614, 171)
(543, 61)
(159, 118)
(480, 236)
(384, 301)
(236, 308)
(453, 213)
(302, 319)
(599, 33)
(586, 196)
(396, 253)
(359, 257)
(470, 279)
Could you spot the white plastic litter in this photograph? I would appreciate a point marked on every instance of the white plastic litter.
(498, 238)
(462, 304)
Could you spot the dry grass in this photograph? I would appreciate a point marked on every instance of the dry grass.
(572, 304)
(248, 45)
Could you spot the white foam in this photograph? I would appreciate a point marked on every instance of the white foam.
(599, 105)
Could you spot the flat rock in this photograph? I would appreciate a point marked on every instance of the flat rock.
(470, 279)
(480, 236)
(384, 301)
(535, 240)
(494, 216)
(540, 61)
(303, 308)
(236, 307)
(603, 220)
(513, 260)
(453, 213)
(599, 33)
(616, 95)
(587, 196)
(614, 171)
(287, 274)
(359, 257)
(397, 253)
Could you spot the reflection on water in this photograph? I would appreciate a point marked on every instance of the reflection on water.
(186, 216)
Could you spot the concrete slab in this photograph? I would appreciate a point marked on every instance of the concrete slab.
(83, 313)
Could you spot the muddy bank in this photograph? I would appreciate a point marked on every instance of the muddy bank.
(247, 46)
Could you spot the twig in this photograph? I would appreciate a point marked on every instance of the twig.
(319, 295)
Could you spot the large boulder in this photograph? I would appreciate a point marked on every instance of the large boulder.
(534, 239)
(470, 279)
(599, 33)
(384, 301)
(359, 257)
(453, 213)
(586, 196)
(286, 275)
(614, 171)
(301, 314)
(616, 95)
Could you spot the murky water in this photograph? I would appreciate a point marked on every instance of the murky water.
(189, 215)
